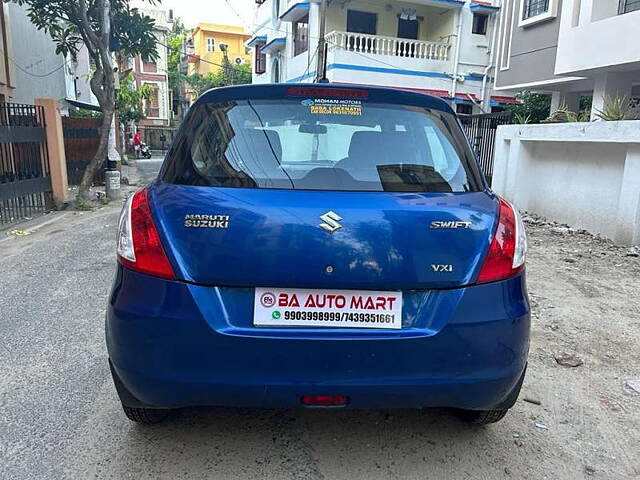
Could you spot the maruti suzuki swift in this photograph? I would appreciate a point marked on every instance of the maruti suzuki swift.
(319, 246)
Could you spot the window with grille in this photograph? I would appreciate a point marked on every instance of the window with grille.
(261, 59)
(480, 21)
(153, 103)
(533, 8)
(211, 44)
(301, 36)
(627, 6)
(464, 108)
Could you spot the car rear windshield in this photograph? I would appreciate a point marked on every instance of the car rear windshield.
(322, 144)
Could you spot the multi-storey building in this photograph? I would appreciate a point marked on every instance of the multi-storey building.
(206, 54)
(37, 71)
(154, 73)
(571, 48)
(442, 47)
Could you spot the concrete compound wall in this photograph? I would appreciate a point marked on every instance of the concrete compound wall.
(584, 174)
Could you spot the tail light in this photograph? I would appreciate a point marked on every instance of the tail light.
(139, 246)
(508, 247)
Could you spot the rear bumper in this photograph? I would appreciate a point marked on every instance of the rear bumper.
(174, 345)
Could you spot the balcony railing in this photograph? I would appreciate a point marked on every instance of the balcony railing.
(381, 45)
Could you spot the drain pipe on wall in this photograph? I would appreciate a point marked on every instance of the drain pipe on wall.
(456, 57)
(321, 69)
(486, 105)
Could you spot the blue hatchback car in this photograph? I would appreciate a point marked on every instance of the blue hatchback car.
(319, 246)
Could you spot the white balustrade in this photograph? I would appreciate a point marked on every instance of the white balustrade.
(381, 45)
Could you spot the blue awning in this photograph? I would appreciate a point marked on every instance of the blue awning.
(256, 40)
(296, 12)
(486, 9)
(274, 45)
(449, 3)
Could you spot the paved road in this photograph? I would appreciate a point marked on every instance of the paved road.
(60, 417)
(147, 170)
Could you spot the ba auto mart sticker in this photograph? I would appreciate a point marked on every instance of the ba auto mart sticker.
(277, 307)
(333, 106)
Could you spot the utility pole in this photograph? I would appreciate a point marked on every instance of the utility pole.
(228, 69)
(322, 45)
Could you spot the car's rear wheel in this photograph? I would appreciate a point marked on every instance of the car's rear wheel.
(481, 417)
(146, 416)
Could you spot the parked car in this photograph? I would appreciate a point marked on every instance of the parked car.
(320, 247)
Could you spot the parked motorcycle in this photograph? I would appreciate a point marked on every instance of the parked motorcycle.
(145, 152)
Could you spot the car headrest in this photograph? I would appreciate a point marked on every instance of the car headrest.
(365, 144)
(382, 147)
(263, 141)
(398, 147)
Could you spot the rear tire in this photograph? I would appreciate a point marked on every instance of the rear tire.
(145, 416)
(481, 417)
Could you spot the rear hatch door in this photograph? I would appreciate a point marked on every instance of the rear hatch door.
(381, 241)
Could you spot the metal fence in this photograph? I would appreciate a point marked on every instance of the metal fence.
(157, 138)
(481, 132)
(25, 179)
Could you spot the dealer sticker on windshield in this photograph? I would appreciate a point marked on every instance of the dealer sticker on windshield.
(280, 307)
(333, 106)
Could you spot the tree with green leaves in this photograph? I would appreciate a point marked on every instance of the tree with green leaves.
(232, 75)
(102, 26)
(130, 100)
(176, 79)
(533, 107)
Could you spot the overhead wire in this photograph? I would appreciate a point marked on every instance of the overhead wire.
(200, 59)
(311, 61)
(37, 75)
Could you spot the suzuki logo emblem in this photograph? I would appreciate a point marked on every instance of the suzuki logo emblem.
(330, 220)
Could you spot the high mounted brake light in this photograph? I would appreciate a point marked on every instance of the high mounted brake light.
(508, 248)
(324, 92)
(324, 400)
(139, 245)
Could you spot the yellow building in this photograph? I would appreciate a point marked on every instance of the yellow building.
(207, 38)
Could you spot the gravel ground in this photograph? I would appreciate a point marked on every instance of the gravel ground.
(60, 418)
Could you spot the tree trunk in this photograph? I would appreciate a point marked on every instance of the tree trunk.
(101, 154)
(102, 85)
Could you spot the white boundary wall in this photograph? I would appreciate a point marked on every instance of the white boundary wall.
(586, 175)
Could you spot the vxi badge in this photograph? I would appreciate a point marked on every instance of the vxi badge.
(330, 222)
(449, 224)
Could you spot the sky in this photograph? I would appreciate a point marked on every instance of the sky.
(208, 11)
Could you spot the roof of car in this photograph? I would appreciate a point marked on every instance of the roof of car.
(320, 90)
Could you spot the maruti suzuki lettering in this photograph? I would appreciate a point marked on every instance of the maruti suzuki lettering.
(319, 246)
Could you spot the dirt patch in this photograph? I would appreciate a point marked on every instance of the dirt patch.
(585, 293)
